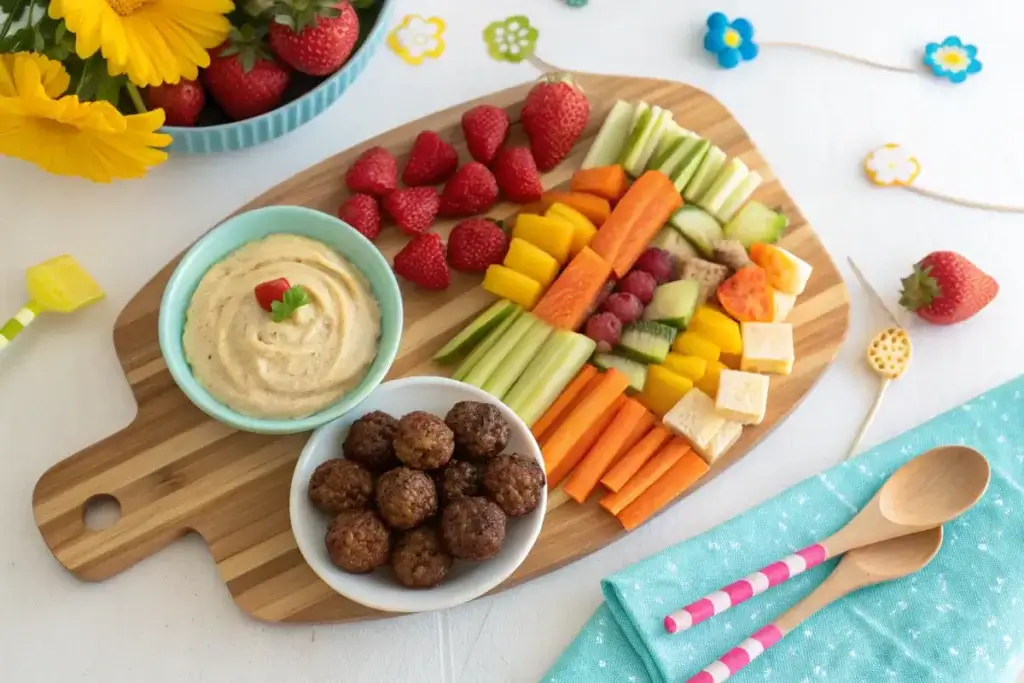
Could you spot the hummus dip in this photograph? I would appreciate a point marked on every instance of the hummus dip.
(292, 368)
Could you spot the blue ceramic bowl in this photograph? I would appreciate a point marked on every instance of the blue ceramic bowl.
(256, 131)
(253, 225)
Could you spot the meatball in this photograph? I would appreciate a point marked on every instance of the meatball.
(473, 528)
(358, 542)
(419, 559)
(423, 441)
(460, 479)
(480, 429)
(369, 441)
(406, 497)
(340, 485)
(514, 482)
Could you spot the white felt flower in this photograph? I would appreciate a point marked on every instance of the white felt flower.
(891, 165)
(417, 39)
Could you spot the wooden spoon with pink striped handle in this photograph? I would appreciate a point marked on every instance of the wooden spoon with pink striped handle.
(930, 490)
(861, 567)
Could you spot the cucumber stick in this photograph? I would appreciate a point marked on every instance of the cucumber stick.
(611, 139)
(493, 359)
(643, 139)
(483, 347)
(739, 197)
(728, 179)
(670, 139)
(502, 379)
(547, 375)
(705, 175)
(688, 161)
(477, 330)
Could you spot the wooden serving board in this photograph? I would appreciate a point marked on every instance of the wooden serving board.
(174, 470)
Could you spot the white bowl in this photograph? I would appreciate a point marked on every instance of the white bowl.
(379, 590)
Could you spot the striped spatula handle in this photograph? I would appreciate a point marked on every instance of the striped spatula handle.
(15, 325)
(741, 655)
(744, 589)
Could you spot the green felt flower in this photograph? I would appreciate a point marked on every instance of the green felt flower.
(510, 40)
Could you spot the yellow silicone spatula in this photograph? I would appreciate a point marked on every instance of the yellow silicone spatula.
(59, 285)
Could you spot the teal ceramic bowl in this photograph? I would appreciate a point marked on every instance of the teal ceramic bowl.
(253, 225)
(283, 120)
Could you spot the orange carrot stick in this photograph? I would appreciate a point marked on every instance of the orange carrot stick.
(632, 461)
(585, 443)
(671, 485)
(591, 386)
(639, 431)
(599, 458)
(595, 208)
(609, 182)
(671, 453)
(565, 400)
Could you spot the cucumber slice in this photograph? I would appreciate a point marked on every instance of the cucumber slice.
(669, 140)
(547, 375)
(646, 342)
(513, 365)
(688, 165)
(674, 303)
(755, 222)
(705, 175)
(472, 333)
(728, 179)
(486, 345)
(739, 197)
(643, 119)
(699, 227)
(489, 364)
(677, 246)
(611, 139)
(643, 139)
(635, 372)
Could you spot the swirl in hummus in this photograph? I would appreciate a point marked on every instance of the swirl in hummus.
(289, 369)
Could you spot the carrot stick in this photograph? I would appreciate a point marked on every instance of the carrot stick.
(632, 461)
(585, 443)
(591, 386)
(595, 208)
(599, 458)
(565, 400)
(683, 474)
(651, 472)
(639, 431)
(609, 182)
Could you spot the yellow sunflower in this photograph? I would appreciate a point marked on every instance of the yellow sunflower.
(66, 136)
(153, 41)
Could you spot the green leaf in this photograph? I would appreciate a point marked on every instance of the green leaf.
(60, 32)
(294, 298)
(363, 4)
(109, 88)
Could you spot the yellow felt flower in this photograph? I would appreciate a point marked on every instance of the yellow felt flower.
(891, 165)
(153, 41)
(417, 39)
(66, 136)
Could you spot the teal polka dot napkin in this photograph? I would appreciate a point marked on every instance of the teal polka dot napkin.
(961, 619)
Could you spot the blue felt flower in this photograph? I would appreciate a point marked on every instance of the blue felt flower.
(732, 42)
(952, 59)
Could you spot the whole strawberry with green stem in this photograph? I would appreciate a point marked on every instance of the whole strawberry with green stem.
(422, 262)
(316, 37)
(946, 288)
(554, 115)
(243, 78)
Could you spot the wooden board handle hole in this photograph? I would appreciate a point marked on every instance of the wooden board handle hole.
(101, 512)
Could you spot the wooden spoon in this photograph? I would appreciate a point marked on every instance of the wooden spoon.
(875, 563)
(930, 490)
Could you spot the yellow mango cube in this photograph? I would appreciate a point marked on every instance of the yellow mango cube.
(531, 261)
(550, 233)
(691, 367)
(582, 229)
(709, 382)
(512, 285)
(663, 389)
(692, 344)
(718, 328)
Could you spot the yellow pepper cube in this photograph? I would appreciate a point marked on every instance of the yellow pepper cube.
(531, 261)
(663, 389)
(718, 328)
(691, 367)
(709, 382)
(514, 286)
(582, 229)
(692, 344)
(552, 234)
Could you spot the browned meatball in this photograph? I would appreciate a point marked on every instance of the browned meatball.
(514, 482)
(480, 429)
(473, 528)
(369, 441)
(419, 559)
(358, 542)
(338, 485)
(406, 497)
(459, 479)
(423, 441)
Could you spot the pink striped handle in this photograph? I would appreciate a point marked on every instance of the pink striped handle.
(744, 589)
(738, 657)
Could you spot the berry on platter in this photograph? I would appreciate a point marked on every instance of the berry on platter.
(471, 191)
(517, 175)
(602, 296)
(374, 172)
(485, 128)
(315, 37)
(362, 212)
(431, 161)
(554, 115)
(270, 291)
(605, 329)
(624, 306)
(946, 288)
(476, 243)
(413, 209)
(281, 299)
(243, 78)
(182, 102)
(639, 284)
(422, 262)
(658, 263)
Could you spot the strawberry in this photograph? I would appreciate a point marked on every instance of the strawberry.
(946, 288)
(413, 209)
(243, 78)
(476, 243)
(421, 262)
(470, 191)
(517, 176)
(269, 292)
(374, 172)
(362, 213)
(182, 102)
(315, 36)
(485, 128)
(431, 161)
(554, 115)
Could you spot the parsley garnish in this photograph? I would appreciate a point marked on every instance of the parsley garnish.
(294, 298)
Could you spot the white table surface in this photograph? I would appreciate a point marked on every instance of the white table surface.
(814, 118)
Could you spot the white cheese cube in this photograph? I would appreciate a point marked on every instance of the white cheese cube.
(694, 417)
(783, 305)
(728, 435)
(742, 396)
(767, 347)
